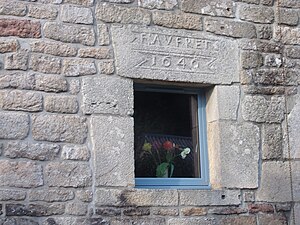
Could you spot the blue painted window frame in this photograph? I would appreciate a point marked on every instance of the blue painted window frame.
(182, 183)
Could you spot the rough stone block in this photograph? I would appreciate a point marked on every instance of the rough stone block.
(21, 100)
(177, 20)
(261, 207)
(260, 109)
(224, 8)
(74, 86)
(271, 141)
(103, 34)
(256, 14)
(45, 64)
(272, 219)
(69, 33)
(239, 220)
(158, 4)
(43, 11)
(165, 212)
(228, 210)
(139, 50)
(106, 94)
(287, 35)
(251, 60)
(138, 220)
(288, 16)
(120, 1)
(273, 60)
(289, 3)
(295, 166)
(97, 53)
(297, 213)
(108, 212)
(191, 221)
(113, 150)
(234, 154)
(59, 128)
(136, 211)
(275, 183)
(267, 2)
(264, 31)
(80, 2)
(75, 152)
(75, 14)
(223, 103)
(76, 208)
(84, 195)
(12, 195)
(134, 197)
(11, 45)
(22, 174)
(68, 174)
(19, 221)
(230, 28)
(50, 83)
(35, 151)
(12, 8)
(51, 195)
(17, 80)
(209, 197)
(34, 209)
(106, 67)
(61, 103)
(16, 61)
(194, 211)
(13, 125)
(20, 28)
(78, 67)
(119, 14)
(53, 48)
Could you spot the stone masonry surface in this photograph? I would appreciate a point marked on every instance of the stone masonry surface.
(68, 70)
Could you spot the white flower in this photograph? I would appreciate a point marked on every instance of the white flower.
(185, 152)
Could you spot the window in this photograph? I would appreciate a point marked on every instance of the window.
(170, 137)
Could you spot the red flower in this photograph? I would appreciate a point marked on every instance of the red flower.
(168, 145)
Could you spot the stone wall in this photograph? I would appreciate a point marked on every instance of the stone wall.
(67, 69)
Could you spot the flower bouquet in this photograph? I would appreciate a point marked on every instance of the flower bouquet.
(164, 156)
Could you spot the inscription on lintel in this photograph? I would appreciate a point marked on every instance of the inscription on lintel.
(166, 54)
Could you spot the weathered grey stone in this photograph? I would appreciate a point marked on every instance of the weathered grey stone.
(158, 4)
(106, 94)
(84, 195)
(264, 31)
(223, 103)
(106, 67)
(273, 60)
(119, 1)
(56, 128)
(74, 86)
(295, 166)
(16, 61)
(71, 220)
(20, 27)
(297, 212)
(251, 60)
(238, 220)
(194, 211)
(24, 174)
(138, 221)
(119, 14)
(249, 196)
(287, 35)
(17, 221)
(177, 20)
(108, 211)
(45, 64)
(53, 48)
(75, 14)
(288, 16)
(141, 50)
(113, 149)
(19, 80)
(34, 209)
(21, 100)
(61, 103)
(35, 151)
(76, 208)
(230, 28)
(222, 8)
(103, 34)
(50, 83)
(192, 221)
(81, 2)
(12, 8)
(13, 125)
(11, 45)
(78, 67)
(70, 33)
(165, 212)
(272, 219)
(9, 195)
(75, 152)
(209, 197)
(271, 141)
(275, 182)
(260, 109)
(133, 197)
(257, 14)
(293, 51)
(68, 174)
(51, 195)
(43, 11)
(97, 53)
(289, 3)
(234, 154)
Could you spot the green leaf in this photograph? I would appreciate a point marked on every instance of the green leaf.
(172, 169)
(169, 157)
(162, 169)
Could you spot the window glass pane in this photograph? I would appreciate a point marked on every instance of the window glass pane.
(166, 135)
